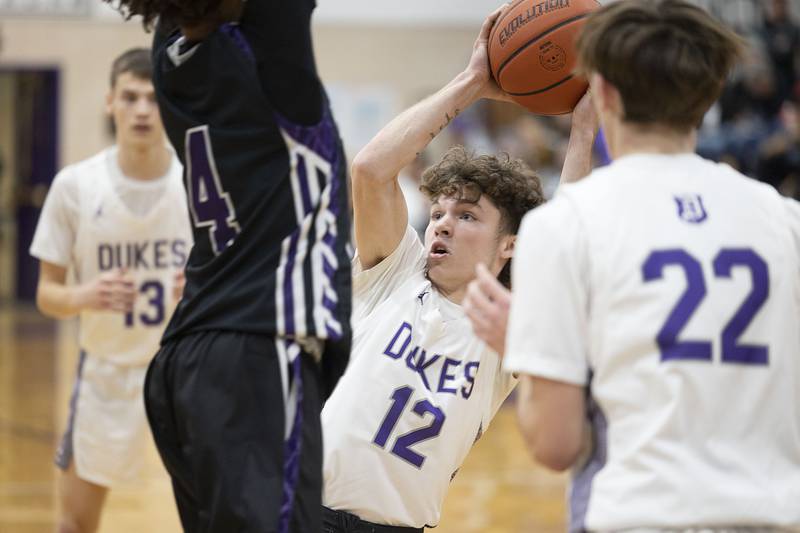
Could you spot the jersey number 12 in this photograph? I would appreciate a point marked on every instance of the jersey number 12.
(403, 443)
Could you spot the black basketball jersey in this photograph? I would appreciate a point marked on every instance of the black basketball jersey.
(264, 174)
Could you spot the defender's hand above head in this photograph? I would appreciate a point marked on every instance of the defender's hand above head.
(487, 305)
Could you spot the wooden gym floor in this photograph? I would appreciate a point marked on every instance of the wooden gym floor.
(498, 490)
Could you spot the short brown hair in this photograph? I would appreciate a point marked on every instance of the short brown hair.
(136, 61)
(669, 59)
(509, 183)
(174, 12)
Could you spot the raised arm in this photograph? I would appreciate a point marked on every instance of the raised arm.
(279, 32)
(381, 215)
(578, 161)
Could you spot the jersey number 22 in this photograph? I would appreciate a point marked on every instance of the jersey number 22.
(728, 258)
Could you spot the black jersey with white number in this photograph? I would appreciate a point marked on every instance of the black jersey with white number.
(264, 174)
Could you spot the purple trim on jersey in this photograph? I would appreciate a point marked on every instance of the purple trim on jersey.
(323, 140)
(288, 294)
(329, 269)
(581, 488)
(601, 148)
(65, 448)
(305, 194)
(328, 303)
(291, 463)
(238, 38)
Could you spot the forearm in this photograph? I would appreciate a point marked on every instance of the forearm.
(402, 140)
(57, 300)
(578, 160)
(552, 420)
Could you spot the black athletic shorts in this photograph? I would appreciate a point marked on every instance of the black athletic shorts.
(236, 419)
(344, 522)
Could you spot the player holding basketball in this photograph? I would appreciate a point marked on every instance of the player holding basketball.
(235, 393)
(670, 293)
(119, 221)
(421, 388)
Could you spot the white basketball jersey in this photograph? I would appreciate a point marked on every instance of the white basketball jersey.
(106, 235)
(418, 392)
(670, 286)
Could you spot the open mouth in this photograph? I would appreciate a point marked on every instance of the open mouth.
(439, 250)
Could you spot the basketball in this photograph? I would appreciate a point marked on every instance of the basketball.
(532, 53)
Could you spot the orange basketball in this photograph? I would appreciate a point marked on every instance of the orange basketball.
(532, 53)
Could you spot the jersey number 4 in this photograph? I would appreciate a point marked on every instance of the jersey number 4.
(403, 443)
(210, 205)
(724, 262)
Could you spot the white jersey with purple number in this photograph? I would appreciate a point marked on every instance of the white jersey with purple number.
(670, 286)
(418, 392)
(94, 221)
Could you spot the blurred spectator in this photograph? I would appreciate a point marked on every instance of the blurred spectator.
(779, 155)
(748, 114)
(781, 37)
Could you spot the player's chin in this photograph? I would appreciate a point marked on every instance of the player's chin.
(439, 271)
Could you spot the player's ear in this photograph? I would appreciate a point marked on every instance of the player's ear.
(507, 244)
(606, 97)
(109, 101)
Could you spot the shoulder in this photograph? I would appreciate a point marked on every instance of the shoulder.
(72, 177)
(90, 169)
(557, 214)
(747, 187)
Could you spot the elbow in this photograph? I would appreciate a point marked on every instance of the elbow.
(41, 302)
(46, 307)
(364, 169)
(550, 447)
(554, 457)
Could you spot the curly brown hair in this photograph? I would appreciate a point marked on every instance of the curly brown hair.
(509, 183)
(174, 12)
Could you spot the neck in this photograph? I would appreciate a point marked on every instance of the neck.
(145, 163)
(456, 296)
(626, 139)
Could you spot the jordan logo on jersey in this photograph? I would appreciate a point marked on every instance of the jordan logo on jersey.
(691, 208)
(421, 296)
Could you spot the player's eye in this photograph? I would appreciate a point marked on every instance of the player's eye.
(436, 215)
(467, 216)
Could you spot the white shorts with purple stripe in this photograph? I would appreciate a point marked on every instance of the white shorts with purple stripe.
(107, 429)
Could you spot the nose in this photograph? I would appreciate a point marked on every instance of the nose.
(443, 226)
(144, 106)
